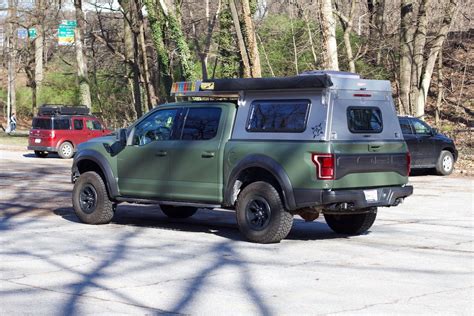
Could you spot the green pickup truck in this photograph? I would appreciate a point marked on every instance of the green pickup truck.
(268, 148)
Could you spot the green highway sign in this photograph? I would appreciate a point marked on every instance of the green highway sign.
(66, 32)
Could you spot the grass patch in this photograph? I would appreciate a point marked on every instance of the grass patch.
(18, 140)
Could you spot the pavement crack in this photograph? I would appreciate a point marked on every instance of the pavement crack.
(85, 295)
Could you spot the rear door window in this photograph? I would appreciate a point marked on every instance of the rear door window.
(61, 124)
(278, 116)
(364, 119)
(78, 124)
(201, 124)
(42, 123)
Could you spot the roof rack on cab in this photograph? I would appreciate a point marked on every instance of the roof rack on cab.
(230, 88)
(60, 109)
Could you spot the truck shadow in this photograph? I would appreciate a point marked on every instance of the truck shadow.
(50, 155)
(216, 222)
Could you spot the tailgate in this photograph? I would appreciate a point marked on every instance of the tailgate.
(370, 164)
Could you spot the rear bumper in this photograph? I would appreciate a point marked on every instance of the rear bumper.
(42, 148)
(351, 199)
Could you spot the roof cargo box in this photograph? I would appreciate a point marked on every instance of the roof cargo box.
(58, 109)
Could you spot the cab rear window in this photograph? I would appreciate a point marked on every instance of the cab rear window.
(364, 119)
(42, 123)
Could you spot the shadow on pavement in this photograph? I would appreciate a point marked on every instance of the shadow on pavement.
(216, 222)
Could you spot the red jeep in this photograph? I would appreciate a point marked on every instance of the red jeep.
(61, 128)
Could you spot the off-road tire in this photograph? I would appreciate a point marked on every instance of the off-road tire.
(103, 208)
(445, 164)
(352, 224)
(41, 154)
(66, 150)
(278, 222)
(178, 211)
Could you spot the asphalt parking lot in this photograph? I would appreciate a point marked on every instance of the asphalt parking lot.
(416, 259)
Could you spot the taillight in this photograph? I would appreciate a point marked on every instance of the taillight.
(408, 163)
(324, 166)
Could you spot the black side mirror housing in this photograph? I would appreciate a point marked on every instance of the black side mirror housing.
(122, 137)
(434, 131)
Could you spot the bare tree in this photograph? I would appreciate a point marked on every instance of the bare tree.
(328, 27)
(82, 74)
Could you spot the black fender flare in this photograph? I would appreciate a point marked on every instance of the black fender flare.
(101, 161)
(270, 165)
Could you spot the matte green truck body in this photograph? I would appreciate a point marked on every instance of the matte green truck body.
(321, 150)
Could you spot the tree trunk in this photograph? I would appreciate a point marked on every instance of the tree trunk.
(84, 89)
(439, 99)
(347, 24)
(247, 72)
(175, 30)
(328, 27)
(155, 18)
(250, 40)
(432, 56)
(11, 60)
(406, 46)
(150, 89)
(39, 51)
(419, 41)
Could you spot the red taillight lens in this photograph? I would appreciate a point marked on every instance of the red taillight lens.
(324, 166)
(408, 163)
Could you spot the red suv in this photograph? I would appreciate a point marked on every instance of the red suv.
(61, 128)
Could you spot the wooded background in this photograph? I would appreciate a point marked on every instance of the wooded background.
(127, 53)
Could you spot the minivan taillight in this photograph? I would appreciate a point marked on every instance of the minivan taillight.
(408, 163)
(324, 166)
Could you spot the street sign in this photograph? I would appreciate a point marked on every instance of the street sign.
(66, 32)
(32, 32)
(25, 33)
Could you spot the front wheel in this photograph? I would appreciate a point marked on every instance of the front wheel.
(41, 154)
(261, 215)
(66, 150)
(351, 224)
(445, 164)
(178, 211)
(90, 199)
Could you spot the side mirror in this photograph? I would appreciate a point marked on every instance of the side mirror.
(121, 137)
(434, 131)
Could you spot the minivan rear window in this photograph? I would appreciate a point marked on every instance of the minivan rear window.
(364, 119)
(278, 116)
(42, 123)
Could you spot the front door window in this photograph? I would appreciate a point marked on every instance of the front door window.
(157, 126)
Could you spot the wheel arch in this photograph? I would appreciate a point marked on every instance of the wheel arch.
(259, 168)
(451, 150)
(90, 160)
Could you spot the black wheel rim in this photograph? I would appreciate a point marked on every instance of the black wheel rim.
(88, 199)
(258, 213)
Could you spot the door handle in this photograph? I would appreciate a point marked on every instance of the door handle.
(161, 153)
(208, 154)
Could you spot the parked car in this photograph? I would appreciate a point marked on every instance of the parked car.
(322, 142)
(428, 148)
(60, 129)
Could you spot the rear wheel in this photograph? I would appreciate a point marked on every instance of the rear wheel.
(66, 150)
(178, 211)
(90, 199)
(261, 215)
(445, 164)
(41, 154)
(352, 224)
